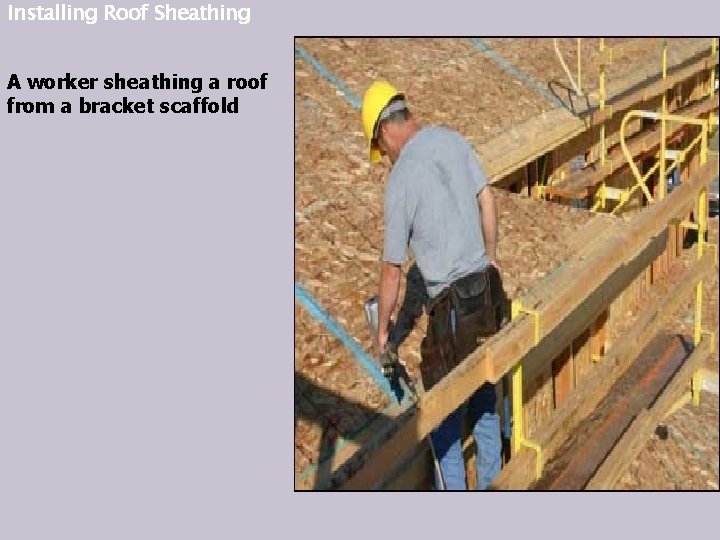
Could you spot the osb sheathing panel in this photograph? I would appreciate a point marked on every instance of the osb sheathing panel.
(447, 81)
(537, 58)
(334, 397)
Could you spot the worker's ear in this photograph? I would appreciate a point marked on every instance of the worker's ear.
(388, 129)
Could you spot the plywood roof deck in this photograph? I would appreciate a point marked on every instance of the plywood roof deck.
(447, 81)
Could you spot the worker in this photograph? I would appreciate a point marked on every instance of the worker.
(439, 206)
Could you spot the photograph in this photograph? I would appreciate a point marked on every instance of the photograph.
(506, 263)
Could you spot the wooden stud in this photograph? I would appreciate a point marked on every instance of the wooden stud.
(562, 368)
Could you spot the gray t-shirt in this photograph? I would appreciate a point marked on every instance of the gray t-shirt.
(431, 207)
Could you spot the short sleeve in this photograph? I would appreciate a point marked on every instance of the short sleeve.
(397, 222)
(475, 169)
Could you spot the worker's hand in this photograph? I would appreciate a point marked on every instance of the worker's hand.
(381, 341)
(495, 263)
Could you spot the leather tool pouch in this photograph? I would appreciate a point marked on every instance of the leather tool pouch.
(437, 349)
(481, 309)
(475, 311)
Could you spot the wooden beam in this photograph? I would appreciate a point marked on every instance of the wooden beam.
(519, 473)
(579, 458)
(637, 435)
(571, 293)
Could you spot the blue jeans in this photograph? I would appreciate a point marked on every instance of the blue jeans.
(485, 424)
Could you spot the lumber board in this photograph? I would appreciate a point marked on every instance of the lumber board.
(519, 473)
(589, 443)
(494, 359)
(635, 438)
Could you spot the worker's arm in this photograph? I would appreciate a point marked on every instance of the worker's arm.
(389, 289)
(488, 216)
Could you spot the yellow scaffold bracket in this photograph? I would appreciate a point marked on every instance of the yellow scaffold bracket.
(599, 199)
(697, 377)
(689, 225)
(518, 308)
(662, 117)
(518, 430)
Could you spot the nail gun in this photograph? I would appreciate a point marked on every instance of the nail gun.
(389, 360)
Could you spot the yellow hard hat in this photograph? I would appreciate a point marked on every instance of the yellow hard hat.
(376, 98)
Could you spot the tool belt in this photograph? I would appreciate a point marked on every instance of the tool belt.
(480, 306)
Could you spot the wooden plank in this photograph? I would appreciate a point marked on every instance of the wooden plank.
(635, 438)
(519, 473)
(604, 273)
(586, 447)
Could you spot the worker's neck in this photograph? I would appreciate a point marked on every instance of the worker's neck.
(410, 128)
